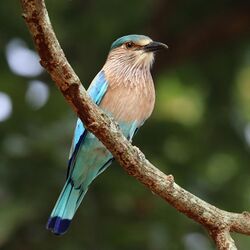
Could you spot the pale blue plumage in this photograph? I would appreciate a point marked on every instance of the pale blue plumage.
(123, 89)
(96, 91)
(135, 38)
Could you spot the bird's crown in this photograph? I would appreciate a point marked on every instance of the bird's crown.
(137, 39)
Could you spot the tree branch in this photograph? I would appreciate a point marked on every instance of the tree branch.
(218, 222)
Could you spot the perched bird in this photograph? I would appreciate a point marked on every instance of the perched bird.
(123, 89)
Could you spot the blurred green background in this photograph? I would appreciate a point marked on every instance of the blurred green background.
(199, 131)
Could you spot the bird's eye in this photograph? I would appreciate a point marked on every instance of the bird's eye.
(129, 45)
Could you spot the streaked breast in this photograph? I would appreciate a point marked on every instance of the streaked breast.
(130, 99)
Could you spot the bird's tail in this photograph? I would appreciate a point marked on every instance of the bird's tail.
(65, 208)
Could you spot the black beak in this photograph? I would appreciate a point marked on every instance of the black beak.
(154, 46)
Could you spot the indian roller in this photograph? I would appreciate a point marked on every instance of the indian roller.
(123, 89)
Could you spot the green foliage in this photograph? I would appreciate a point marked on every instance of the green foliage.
(199, 131)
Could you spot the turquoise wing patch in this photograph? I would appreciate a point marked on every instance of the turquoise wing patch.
(96, 90)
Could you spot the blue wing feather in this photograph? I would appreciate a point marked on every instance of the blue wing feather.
(98, 87)
(96, 90)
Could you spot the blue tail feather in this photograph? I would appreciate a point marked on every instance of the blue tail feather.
(58, 225)
(65, 208)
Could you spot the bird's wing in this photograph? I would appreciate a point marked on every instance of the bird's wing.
(96, 90)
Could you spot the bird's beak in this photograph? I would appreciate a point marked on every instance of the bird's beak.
(154, 46)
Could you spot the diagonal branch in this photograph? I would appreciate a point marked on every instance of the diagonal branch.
(218, 222)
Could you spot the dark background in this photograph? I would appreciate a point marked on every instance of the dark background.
(199, 131)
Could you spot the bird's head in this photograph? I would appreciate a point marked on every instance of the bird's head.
(137, 50)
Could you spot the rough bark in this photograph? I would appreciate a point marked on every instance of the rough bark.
(219, 223)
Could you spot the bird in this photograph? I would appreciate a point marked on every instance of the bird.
(123, 89)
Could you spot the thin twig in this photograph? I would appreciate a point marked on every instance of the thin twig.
(218, 222)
